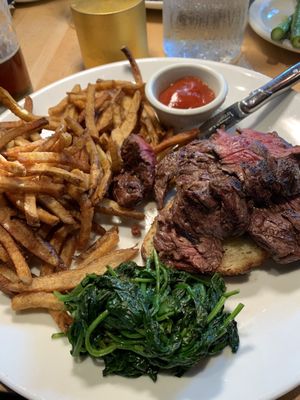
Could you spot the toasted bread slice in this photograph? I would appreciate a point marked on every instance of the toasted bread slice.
(241, 254)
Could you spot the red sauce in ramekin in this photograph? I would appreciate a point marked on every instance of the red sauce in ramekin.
(187, 92)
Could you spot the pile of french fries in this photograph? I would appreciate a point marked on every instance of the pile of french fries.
(54, 189)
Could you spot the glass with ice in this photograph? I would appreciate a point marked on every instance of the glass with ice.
(206, 29)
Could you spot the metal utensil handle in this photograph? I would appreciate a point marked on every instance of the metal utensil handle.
(276, 86)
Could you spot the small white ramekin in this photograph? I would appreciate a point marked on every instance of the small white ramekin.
(184, 119)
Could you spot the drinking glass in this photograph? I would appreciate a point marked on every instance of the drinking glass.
(104, 26)
(13, 72)
(206, 29)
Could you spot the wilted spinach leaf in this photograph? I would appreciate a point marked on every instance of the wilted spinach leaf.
(143, 320)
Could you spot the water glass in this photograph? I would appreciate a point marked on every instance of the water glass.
(205, 29)
(13, 72)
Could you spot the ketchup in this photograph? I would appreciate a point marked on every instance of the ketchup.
(187, 92)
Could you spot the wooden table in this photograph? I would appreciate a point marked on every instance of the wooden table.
(50, 47)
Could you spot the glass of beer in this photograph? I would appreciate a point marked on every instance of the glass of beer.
(13, 72)
(103, 27)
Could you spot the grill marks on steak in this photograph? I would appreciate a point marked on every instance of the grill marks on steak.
(277, 230)
(136, 180)
(209, 201)
(182, 252)
(226, 186)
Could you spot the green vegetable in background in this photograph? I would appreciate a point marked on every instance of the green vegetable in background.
(143, 320)
(295, 27)
(281, 31)
(289, 28)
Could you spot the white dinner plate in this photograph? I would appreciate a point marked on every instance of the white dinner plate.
(154, 4)
(267, 363)
(264, 15)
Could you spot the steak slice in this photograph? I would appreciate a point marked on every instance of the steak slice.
(127, 189)
(178, 251)
(241, 148)
(136, 180)
(277, 230)
(209, 201)
(139, 158)
(166, 170)
(264, 163)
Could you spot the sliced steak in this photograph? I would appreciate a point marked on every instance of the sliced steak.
(246, 146)
(166, 170)
(127, 189)
(180, 252)
(136, 180)
(139, 158)
(227, 186)
(209, 201)
(277, 230)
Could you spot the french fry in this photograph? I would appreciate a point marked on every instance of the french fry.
(60, 236)
(31, 126)
(95, 171)
(59, 108)
(4, 283)
(115, 156)
(67, 280)
(98, 229)
(90, 111)
(14, 151)
(8, 102)
(21, 266)
(105, 119)
(56, 208)
(103, 186)
(87, 215)
(20, 141)
(121, 133)
(50, 170)
(68, 251)
(28, 104)
(30, 209)
(117, 84)
(14, 167)
(110, 207)
(23, 185)
(72, 124)
(102, 246)
(9, 273)
(47, 157)
(4, 257)
(10, 124)
(62, 319)
(134, 67)
(31, 241)
(26, 301)
(179, 139)
(43, 215)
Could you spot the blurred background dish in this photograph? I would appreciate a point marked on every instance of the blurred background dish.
(25, 1)
(154, 4)
(264, 15)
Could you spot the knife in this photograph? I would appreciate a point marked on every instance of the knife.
(256, 99)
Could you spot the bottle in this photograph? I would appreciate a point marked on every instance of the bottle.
(206, 29)
(13, 71)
